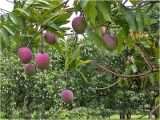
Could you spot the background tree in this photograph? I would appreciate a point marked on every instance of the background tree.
(110, 76)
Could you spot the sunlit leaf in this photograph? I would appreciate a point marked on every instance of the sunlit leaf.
(105, 10)
(130, 18)
(140, 21)
(9, 29)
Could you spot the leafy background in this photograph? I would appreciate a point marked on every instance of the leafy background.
(71, 64)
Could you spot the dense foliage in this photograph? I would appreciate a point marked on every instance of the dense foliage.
(112, 68)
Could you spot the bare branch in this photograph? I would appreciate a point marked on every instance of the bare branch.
(154, 109)
(127, 76)
(121, 75)
(125, 2)
(145, 58)
(4, 10)
(104, 88)
(140, 4)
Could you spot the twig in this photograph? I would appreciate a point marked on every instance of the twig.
(69, 34)
(141, 117)
(140, 4)
(104, 88)
(145, 58)
(69, 9)
(125, 2)
(63, 3)
(40, 31)
(100, 25)
(19, 1)
(10, 1)
(127, 76)
(4, 10)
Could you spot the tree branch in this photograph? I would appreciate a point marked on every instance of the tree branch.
(140, 4)
(40, 31)
(4, 10)
(153, 110)
(125, 2)
(104, 88)
(126, 76)
(121, 75)
(145, 58)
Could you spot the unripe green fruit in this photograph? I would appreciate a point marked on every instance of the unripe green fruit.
(50, 38)
(110, 41)
(79, 25)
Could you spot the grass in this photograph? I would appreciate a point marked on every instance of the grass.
(133, 117)
(83, 114)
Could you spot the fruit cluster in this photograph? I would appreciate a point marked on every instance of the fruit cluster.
(42, 59)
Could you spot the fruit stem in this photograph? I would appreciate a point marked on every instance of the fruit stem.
(42, 42)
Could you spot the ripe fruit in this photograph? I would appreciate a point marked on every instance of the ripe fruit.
(110, 41)
(25, 55)
(67, 96)
(42, 60)
(50, 38)
(29, 69)
(79, 25)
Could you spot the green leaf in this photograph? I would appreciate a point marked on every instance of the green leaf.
(23, 12)
(134, 1)
(119, 94)
(128, 41)
(105, 10)
(54, 15)
(126, 82)
(86, 61)
(157, 100)
(120, 81)
(44, 2)
(157, 76)
(90, 11)
(68, 53)
(55, 27)
(59, 48)
(152, 78)
(62, 19)
(130, 18)
(148, 21)
(5, 37)
(145, 44)
(157, 55)
(83, 3)
(67, 61)
(134, 68)
(93, 36)
(10, 30)
(75, 54)
(14, 18)
(81, 62)
(120, 41)
(140, 21)
(83, 76)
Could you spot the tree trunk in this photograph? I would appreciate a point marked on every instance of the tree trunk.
(150, 109)
(122, 116)
(128, 115)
